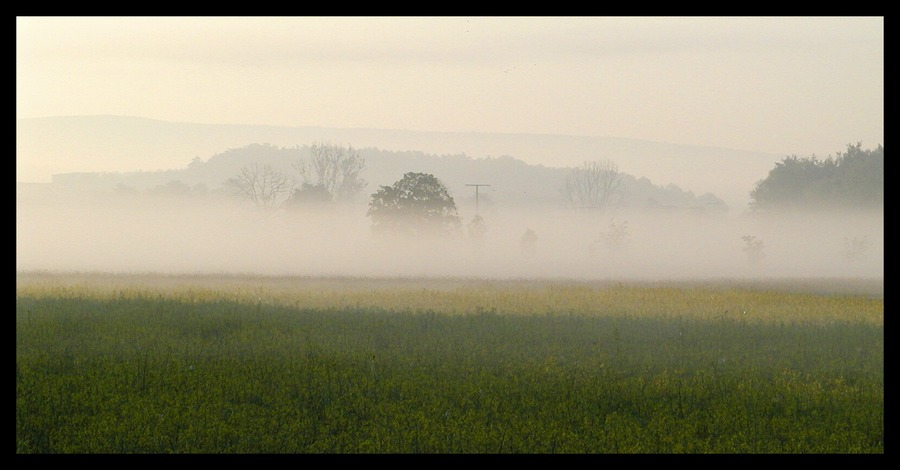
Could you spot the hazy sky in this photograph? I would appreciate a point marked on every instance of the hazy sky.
(786, 85)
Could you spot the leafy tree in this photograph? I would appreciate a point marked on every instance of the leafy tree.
(793, 182)
(854, 178)
(593, 185)
(260, 184)
(336, 169)
(309, 194)
(417, 204)
(860, 175)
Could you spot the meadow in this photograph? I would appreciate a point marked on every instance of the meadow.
(152, 363)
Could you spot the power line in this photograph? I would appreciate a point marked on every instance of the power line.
(476, 194)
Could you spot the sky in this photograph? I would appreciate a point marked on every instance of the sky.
(785, 85)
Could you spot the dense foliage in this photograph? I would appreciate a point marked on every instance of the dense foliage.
(294, 366)
(417, 204)
(852, 179)
(309, 195)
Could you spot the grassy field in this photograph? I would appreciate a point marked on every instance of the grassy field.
(240, 364)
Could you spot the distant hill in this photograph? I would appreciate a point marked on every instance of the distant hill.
(511, 182)
(56, 145)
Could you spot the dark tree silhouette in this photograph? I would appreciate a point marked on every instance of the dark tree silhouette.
(852, 179)
(308, 195)
(418, 204)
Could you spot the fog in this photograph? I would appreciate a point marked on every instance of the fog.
(702, 104)
(93, 232)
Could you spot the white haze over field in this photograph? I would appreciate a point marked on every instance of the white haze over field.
(148, 235)
(774, 85)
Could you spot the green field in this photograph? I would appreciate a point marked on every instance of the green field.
(242, 364)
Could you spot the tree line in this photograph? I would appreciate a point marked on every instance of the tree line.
(332, 172)
(854, 178)
(419, 204)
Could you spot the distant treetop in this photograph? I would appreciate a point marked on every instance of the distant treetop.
(418, 204)
(853, 179)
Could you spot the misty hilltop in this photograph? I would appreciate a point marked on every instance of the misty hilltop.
(190, 219)
(117, 144)
(503, 181)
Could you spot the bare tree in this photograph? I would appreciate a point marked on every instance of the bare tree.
(593, 185)
(335, 168)
(263, 185)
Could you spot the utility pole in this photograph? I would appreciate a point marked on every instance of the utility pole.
(476, 194)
